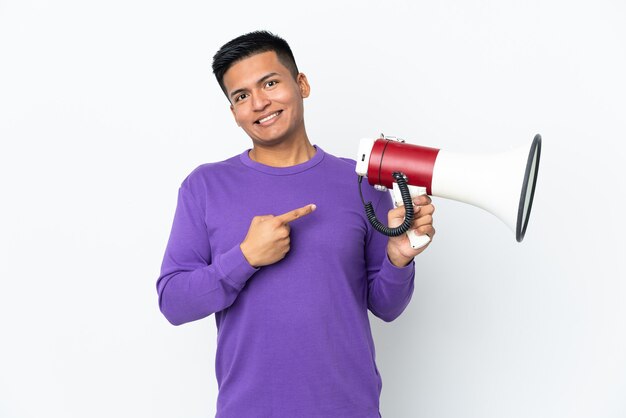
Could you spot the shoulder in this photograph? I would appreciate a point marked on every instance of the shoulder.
(207, 171)
(340, 163)
(205, 176)
(344, 174)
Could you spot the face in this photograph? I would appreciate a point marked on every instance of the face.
(265, 99)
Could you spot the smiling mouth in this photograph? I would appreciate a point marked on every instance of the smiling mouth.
(268, 117)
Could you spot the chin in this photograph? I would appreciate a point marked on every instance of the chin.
(268, 142)
(275, 139)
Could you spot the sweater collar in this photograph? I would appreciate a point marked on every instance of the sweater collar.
(283, 171)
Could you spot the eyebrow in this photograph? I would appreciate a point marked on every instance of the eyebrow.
(259, 81)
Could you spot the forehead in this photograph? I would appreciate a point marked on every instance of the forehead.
(247, 71)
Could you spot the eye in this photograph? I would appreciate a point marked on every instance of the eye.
(241, 97)
(271, 83)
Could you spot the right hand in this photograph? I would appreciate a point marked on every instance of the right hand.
(268, 239)
(399, 248)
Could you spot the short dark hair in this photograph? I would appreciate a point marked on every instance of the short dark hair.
(250, 44)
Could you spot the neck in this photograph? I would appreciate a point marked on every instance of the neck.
(284, 155)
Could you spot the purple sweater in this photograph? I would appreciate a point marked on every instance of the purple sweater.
(294, 338)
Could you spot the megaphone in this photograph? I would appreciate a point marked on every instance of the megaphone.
(501, 183)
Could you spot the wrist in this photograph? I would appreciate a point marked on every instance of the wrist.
(246, 254)
(397, 259)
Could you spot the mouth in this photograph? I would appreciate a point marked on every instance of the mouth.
(266, 120)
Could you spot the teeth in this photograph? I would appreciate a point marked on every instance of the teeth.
(265, 119)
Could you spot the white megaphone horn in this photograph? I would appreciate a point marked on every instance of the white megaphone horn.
(501, 183)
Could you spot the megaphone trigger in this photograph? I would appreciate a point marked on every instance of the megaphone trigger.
(417, 241)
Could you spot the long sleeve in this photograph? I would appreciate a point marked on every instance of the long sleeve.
(293, 337)
(193, 282)
(389, 287)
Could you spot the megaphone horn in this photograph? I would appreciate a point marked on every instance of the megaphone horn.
(501, 183)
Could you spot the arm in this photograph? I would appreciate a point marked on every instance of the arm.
(193, 282)
(391, 286)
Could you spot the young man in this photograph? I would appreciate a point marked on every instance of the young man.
(276, 244)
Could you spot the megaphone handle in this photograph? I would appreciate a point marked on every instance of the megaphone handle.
(417, 241)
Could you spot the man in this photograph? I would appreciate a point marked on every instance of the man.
(275, 242)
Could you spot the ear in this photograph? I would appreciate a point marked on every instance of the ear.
(303, 84)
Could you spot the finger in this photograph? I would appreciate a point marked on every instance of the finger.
(422, 220)
(426, 230)
(399, 212)
(284, 231)
(422, 200)
(296, 213)
(426, 210)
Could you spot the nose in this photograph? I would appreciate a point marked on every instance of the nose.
(260, 100)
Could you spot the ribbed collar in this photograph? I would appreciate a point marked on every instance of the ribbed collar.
(283, 171)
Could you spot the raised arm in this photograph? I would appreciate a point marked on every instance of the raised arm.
(195, 283)
(391, 269)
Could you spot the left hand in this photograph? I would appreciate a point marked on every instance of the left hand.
(399, 248)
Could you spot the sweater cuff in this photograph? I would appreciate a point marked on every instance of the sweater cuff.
(397, 274)
(234, 267)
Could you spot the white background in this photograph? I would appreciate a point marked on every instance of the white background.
(106, 106)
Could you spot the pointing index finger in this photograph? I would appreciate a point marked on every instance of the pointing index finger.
(296, 213)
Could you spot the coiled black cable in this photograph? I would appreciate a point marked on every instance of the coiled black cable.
(408, 208)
